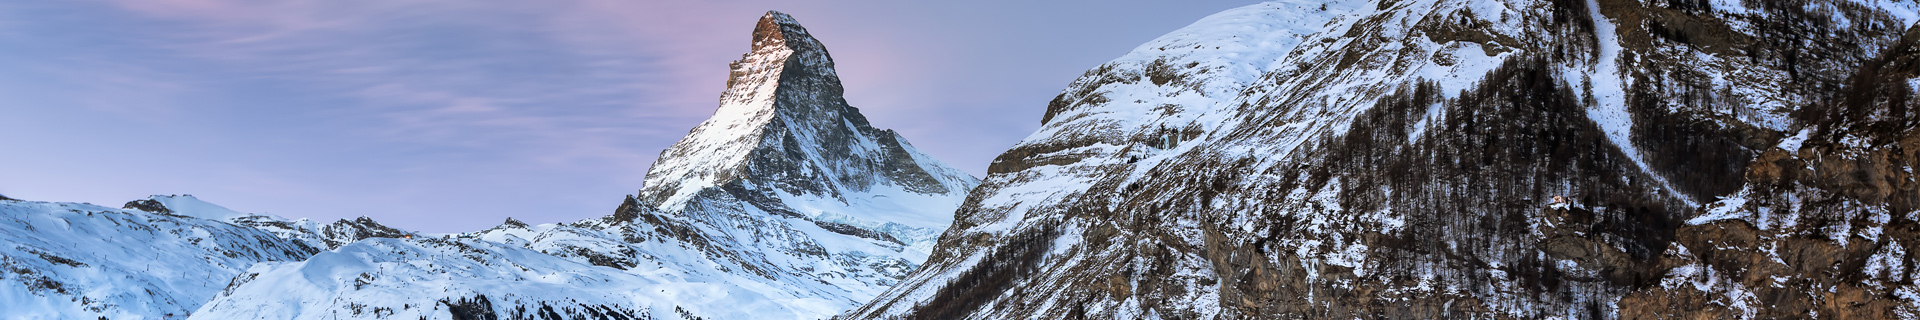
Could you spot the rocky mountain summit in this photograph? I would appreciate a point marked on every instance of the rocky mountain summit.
(784, 141)
(1426, 159)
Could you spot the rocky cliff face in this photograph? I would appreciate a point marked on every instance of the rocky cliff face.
(1825, 224)
(787, 204)
(1402, 159)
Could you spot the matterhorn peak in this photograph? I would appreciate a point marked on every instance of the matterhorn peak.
(783, 124)
(781, 45)
(779, 29)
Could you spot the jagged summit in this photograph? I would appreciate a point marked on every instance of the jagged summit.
(783, 126)
(777, 29)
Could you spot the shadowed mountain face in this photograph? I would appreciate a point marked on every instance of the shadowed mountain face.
(1402, 159)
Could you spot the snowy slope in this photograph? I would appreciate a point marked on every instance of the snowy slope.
(453, 277)
(787, 204)
(595, 269)
(1395, 159)
(1285, 70)
(82, 261)
(304, 231)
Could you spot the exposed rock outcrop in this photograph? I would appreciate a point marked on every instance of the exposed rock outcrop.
(1396, 159)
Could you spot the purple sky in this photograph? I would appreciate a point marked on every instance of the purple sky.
(451, 115)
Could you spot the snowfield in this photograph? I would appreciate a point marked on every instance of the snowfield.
(84, 261)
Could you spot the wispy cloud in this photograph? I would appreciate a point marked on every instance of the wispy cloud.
(446, 72)
(554, 75)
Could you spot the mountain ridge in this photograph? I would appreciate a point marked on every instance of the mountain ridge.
(163, 255)
(1401, 159)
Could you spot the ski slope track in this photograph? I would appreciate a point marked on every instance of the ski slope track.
(1426, 159)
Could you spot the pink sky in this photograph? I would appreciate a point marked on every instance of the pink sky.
(451, 115)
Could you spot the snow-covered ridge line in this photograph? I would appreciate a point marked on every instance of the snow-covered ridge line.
(161, 255)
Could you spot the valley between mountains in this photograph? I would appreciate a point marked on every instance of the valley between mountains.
(1384, 159)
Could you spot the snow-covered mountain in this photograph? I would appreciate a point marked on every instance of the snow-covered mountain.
(786, 204)
(153, 257)
(785, 142)
(1568, 159)
(1425, 159)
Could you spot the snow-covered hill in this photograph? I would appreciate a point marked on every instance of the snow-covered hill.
(1400, 159)
(586, 270)
(162, 255)
(786, 204)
